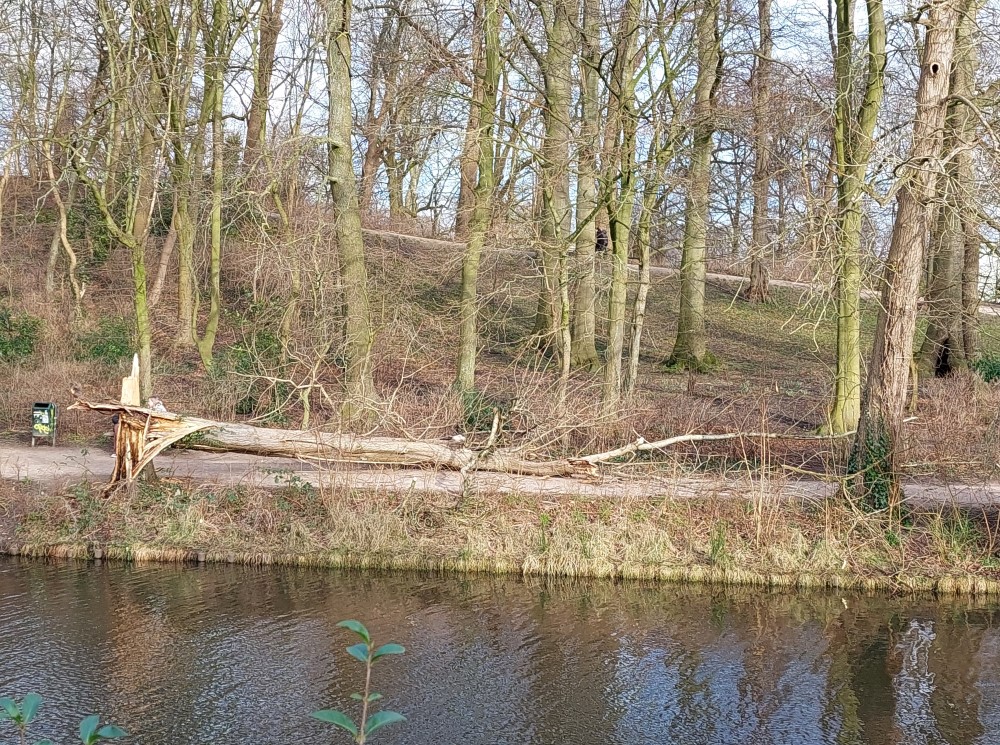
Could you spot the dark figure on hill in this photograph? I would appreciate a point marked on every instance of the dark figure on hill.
(601, 245)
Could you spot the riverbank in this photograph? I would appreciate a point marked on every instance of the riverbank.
(764, 537)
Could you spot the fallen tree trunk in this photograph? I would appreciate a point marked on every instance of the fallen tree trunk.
(143, 433)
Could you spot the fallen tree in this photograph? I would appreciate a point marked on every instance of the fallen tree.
(142, 433)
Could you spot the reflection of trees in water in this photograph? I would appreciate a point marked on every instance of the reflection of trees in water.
(913, 685)
(500, 660)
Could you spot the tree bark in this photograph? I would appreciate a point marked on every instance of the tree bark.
(469, 158)
(358, 382)
(956, 226)
(554, 173)
(267, 41)
(690, 346)
(759, 288)
(584, 348)
(852, 146)
(479, 223)
(879, 442)
(619, 144)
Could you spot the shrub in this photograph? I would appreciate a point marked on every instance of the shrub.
(18, 334)
(110, 342)
(988, 368)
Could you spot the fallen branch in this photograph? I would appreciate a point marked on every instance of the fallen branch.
(144, 433)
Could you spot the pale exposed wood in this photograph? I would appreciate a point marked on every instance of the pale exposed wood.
(143, 434)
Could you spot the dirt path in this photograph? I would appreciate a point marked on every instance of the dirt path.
(60, 466)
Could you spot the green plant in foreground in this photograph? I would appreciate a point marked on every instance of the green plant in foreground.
(988, 368)
(23, 714)
(365, 653)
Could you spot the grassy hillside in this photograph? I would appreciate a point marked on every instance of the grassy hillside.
(774, 372)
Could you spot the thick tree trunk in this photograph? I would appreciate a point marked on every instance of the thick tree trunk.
(759, 289)
(359, 384)
(584, 348)
(875, 456)
(690, 345)
(944, 345)
(852, 145)
(479, 223)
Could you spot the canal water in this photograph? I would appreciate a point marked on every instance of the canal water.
(241, 656)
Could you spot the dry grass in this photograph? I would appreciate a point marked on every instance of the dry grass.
(760, 540)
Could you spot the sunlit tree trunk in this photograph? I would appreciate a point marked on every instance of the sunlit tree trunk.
(852, 145)
(759, 289)
(489, 11)
(620, 146)
(956, 225)
(584, 349)
(690, 346)
(874, 460)
(358, 382)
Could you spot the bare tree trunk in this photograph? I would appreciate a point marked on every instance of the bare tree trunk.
(555, 169)
(690, 345)
(620, 136)
(584, 349)
(944, 345)
(852, 145)
(489, 74)
(267, 42)
(217, 58)
(759, 289)
(879, 441)
(469, 159)
(358, 382)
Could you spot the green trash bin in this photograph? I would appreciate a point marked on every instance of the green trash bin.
(43, 422)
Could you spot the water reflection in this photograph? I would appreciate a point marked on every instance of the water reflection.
(237, 655)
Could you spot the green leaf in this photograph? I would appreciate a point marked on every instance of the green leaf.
(339, 718)
(88, 729)
(374, 697)
(388, 649)
(44, 742)
(380, 719)
(358, 652)
(358, 628)
(10, 710)
(111, 732)
(357, 697)
(29, 707)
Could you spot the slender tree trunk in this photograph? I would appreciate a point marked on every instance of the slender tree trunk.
(852, 145)
(759, 289)
(555, 169)
(690, 346)
(584, 349)
(267, 42)
(217, 62)
(358, 382)
(489, 73)
(879, 441)
(163, 263)
(620, 136)
(469, 159)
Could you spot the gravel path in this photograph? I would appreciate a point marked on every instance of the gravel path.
(56, 467)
